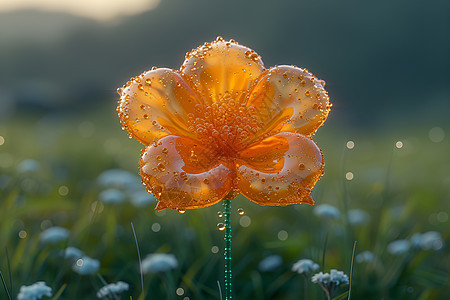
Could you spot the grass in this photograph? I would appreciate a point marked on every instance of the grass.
(403, 190)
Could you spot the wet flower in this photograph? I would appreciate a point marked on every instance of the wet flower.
(327, 211)
(398, 247)
(270, 263)
(329, 281)
(113, 289)
(305, 266)
(365, 256)
(34, 291)
(54, 235)
(111, 196)
(224, 124)
(431, 240)
(159, 262)
(358, 217)
(86, 265)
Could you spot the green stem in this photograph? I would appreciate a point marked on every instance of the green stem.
(227, 251)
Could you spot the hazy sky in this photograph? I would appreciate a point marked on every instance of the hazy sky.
(96, 9)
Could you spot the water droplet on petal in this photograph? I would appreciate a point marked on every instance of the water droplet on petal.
(241, 211)
(219, 214)
(181, 211)
(161, 167)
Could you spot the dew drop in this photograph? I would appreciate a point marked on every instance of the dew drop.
(308, 93)
(161, 167)
(165, 150)
(158, 157)
(206, 180)
(148, 81)
(241, 211)
(301, 166)
(219, 214)
(220, 226)
(181, 211)
(154, 123)
(141, 87)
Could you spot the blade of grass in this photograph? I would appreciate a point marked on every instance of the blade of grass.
(59, 293)
(351, 272)
(324, 252)
(9, 270)
(139, 256)
(4, 285)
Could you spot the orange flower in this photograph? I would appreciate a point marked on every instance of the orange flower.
(225, 124)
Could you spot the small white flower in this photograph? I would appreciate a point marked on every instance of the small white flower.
(111, 196)
(113, 289)
(159, 262)
(142, 198)
(358, 217)
(305, 266)
(54, 235)
(270, 263)
(365, 256)
(34, 291)
(117, 178)
(338, 277)
(86, 265)
(398, 247)
(28, 166)
(334, 277)
(327, 211)
(320, 277)
(431, 240)
(72, 253)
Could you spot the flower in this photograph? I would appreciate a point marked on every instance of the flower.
(358, 217)
(365, 256)
(117, 178)
(327, 211)
(72, 253)
(86, 265)
(111, 196)
(427, 241)
(224, 124)
(270, 263)
(304, 266)
(398, 247)
(113, 289)
(54, 235)
(34, 291)
(158, 263)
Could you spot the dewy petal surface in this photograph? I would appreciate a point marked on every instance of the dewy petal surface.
(184, 174)
(155, 104)
(280, 170)
(290, 99)
(221, 67)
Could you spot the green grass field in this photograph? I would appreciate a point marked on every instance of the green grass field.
(404, 188)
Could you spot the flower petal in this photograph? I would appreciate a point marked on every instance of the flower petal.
(156, 104)
(184, 174)
(290, 99)
(221, 67)
(280, 170)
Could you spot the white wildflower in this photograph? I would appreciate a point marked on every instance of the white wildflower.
(34, 291)
(365, 256)
(304, 266)
(117, 178)
(54, 235)
(111, 196)
(338, 277)
(113, 289)
(72, 253)
(159, 262)
(431, 240)
(270, 263)
(86, 265)
(398, 247)
(327, 211)
(358, 217)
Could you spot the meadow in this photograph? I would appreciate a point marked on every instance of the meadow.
(78, 171)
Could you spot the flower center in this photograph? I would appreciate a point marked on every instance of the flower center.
(226, 125)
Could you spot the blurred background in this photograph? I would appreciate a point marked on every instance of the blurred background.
(386, 141)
